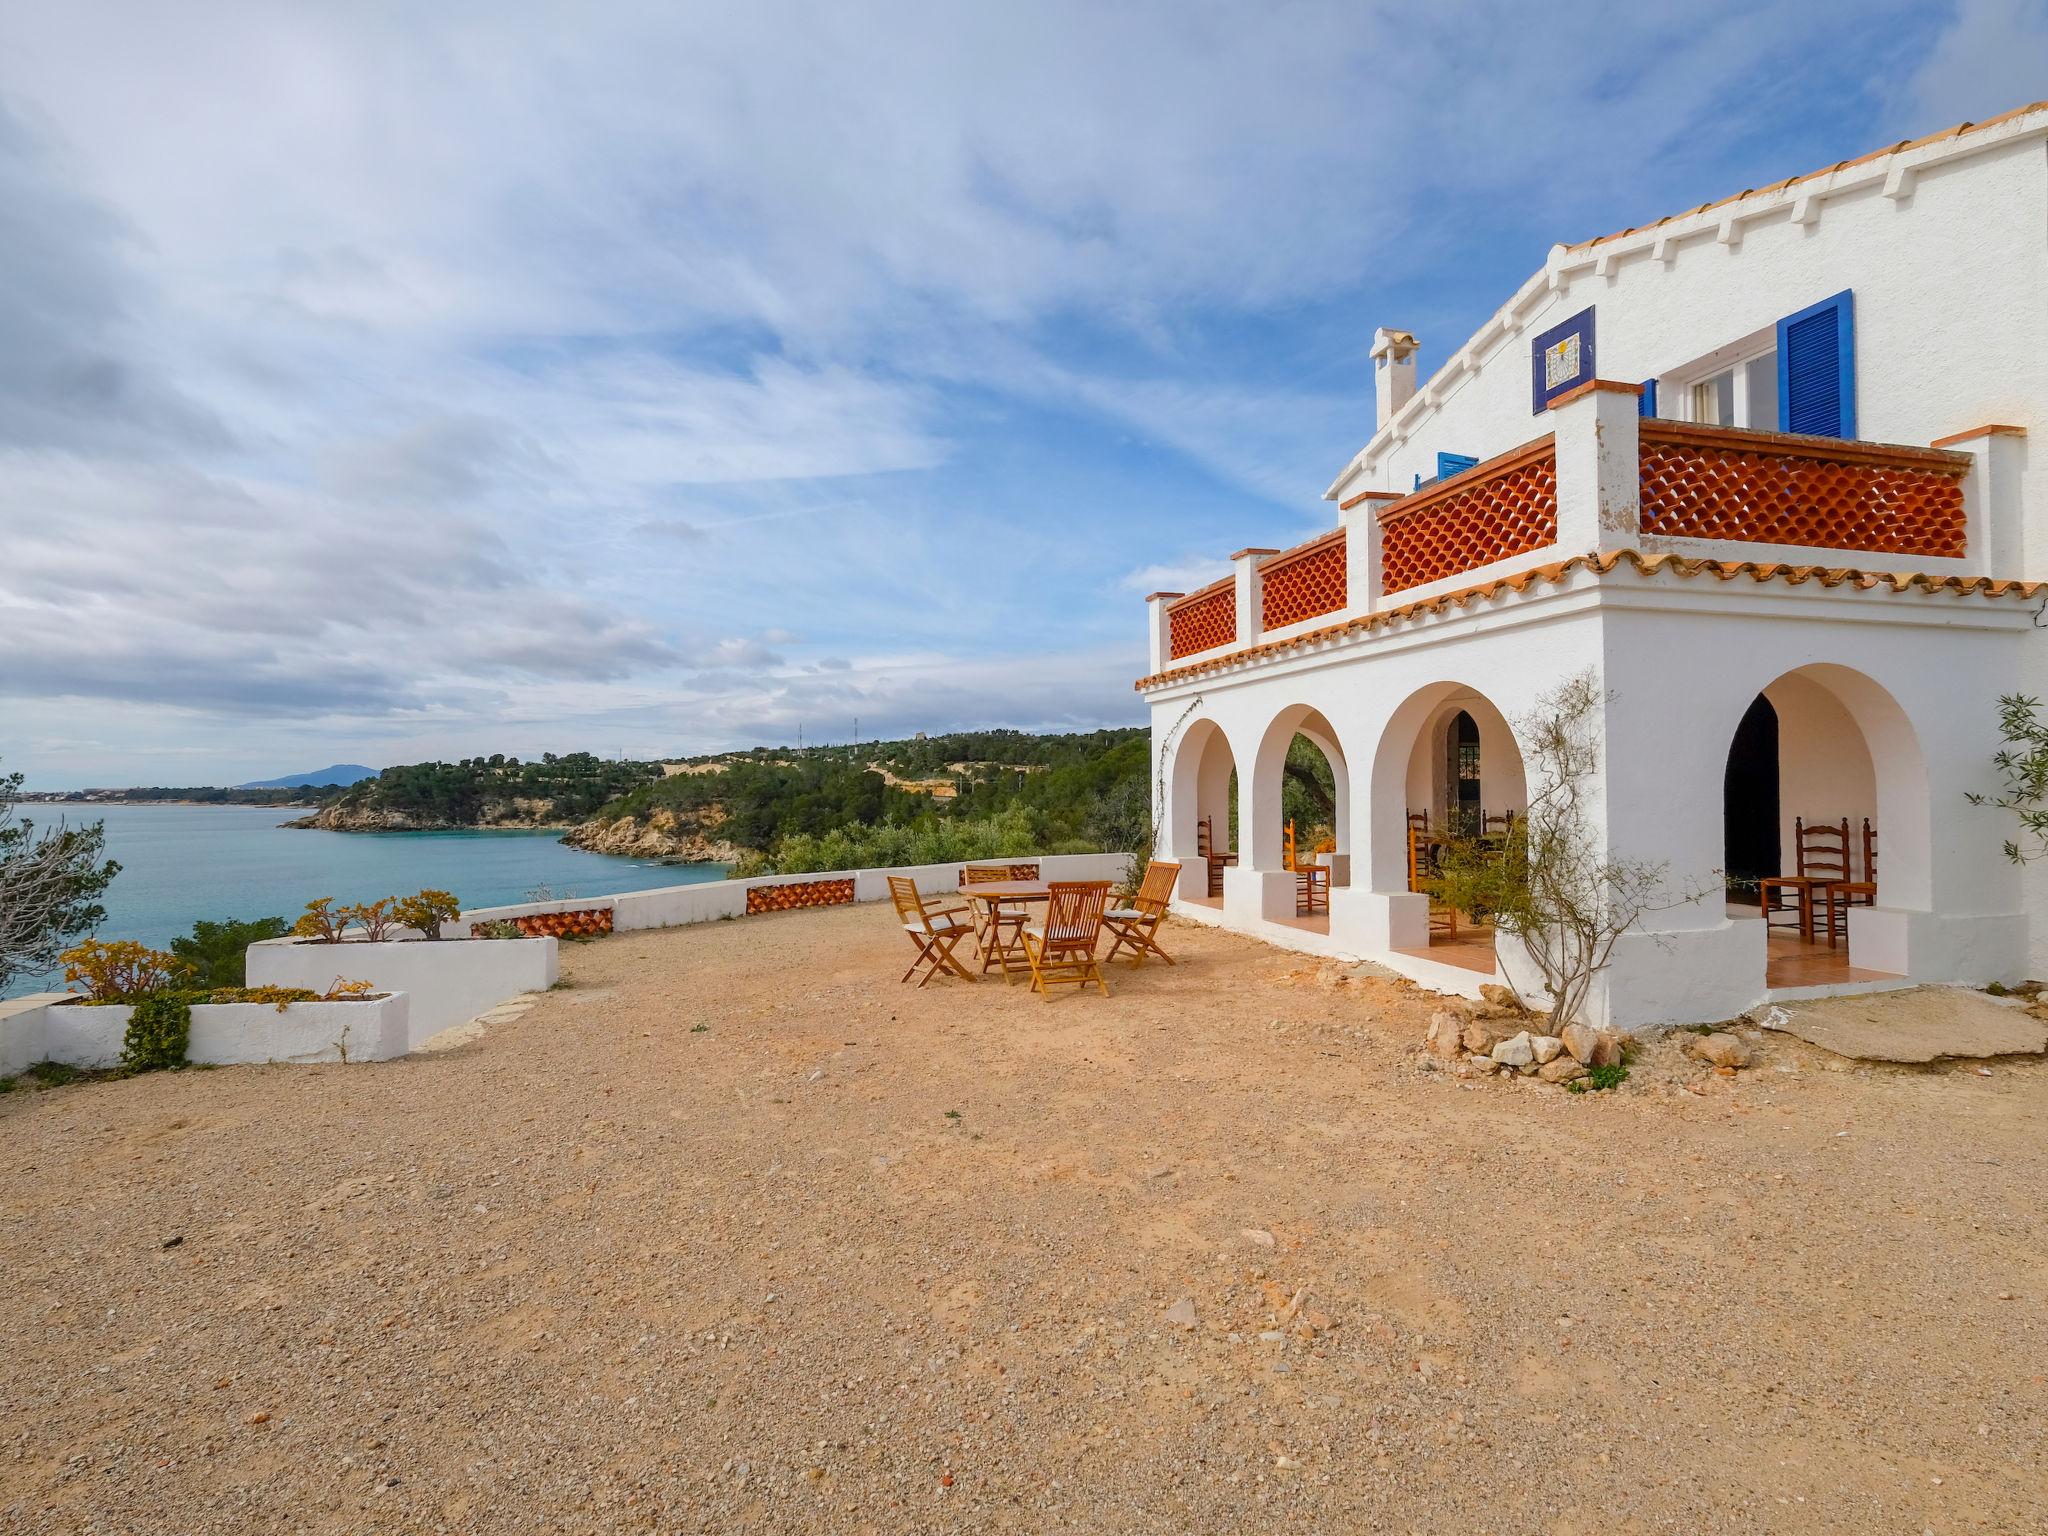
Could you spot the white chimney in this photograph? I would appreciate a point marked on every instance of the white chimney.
(1393, 371)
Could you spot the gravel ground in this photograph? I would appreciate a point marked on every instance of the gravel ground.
(733, 1233)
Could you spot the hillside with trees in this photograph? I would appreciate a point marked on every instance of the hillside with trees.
(494, 791)
(980, 794)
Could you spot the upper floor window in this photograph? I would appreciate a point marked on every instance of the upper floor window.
(1798, 375)
(1742, 392)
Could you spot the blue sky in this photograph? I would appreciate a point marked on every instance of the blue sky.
(381, 382)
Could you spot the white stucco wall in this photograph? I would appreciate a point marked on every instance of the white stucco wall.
(448, 983)
(1951, 331)
(1899, 689)
(223, 1034)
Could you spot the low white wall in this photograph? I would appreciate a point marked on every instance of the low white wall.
(448, 983)
(675, 905)
(22, 1030)
(223, 1034)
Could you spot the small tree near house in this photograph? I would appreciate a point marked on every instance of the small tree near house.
(2022, 765)
(1550, 883)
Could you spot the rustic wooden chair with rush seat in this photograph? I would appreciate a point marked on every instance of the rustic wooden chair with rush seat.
(935, 933)
(1844, 894)
(1061, 945)
(1205, 849)
(1820, 859)
(1136, 927)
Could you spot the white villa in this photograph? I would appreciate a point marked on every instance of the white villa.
(1768, 469)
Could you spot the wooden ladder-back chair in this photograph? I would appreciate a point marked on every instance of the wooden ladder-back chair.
(995, 929)
(1205, 849)
(1491, 825)
(1312, 880)
(1844, 894)
(1061, 947)
(1820, 859)
(1422, 874)
(1136, 927)
(935, 933)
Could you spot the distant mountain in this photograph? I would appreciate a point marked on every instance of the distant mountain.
(340, 774)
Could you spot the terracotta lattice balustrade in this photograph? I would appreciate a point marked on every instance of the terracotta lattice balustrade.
(1504, 507)
(1208, 618)
(799, 893)
(584, 923)
(1764, 488)
(1304, 583)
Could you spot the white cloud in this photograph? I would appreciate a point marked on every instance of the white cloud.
(427, 377)
(1992, 57)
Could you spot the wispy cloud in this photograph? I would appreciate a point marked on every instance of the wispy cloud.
(386, 382)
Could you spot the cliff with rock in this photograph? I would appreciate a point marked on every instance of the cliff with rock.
(661, 835)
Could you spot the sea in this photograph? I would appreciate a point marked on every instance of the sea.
(180, 863)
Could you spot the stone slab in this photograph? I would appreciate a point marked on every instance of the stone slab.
(1918, 1025)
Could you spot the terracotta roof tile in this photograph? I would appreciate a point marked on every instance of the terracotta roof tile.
(1841, 165)
(1605, 563)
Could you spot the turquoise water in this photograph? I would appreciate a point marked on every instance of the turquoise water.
(182, 862)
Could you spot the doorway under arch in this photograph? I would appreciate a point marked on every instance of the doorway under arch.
(1824, 770)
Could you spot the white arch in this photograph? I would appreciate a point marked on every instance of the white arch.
(1260, 816)
(1884, 767)
(1199, 785)
(1413, 728)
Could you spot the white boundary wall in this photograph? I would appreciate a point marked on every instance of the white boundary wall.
(675, 905)
(448, 983)
(223, 1034)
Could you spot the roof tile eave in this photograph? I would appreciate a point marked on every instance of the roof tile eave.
(1601, 563)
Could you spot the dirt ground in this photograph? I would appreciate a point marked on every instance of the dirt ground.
(734, 1233)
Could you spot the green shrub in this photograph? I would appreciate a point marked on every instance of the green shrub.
(1600, 1079)
(218, 953)
(159, 1030)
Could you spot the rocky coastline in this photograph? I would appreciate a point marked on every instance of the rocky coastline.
(662, 837)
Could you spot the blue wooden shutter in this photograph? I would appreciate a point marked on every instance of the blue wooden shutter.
(1817, 368)
(1646, 402)
(1449, 464)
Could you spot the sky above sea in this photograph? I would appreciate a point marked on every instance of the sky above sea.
(381, 382)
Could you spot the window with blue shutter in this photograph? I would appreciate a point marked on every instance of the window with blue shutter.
(1646, 402)
(1449, 464)
(1817, 368)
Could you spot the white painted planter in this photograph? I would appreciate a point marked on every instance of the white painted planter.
(223, 1034)
(449, 982)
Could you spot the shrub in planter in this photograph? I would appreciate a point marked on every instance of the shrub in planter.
(218, 952)
(428, 911)
(318, 921)
(373, 917)
(113, 971)
(159, 1030)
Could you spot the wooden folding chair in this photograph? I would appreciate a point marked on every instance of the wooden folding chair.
(935, 933)
(1136, 927)
(1062, 949)
(989, 918)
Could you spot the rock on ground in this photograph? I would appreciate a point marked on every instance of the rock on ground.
(1919, 1025)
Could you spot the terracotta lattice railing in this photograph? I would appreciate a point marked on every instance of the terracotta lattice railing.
(1203, 619)
(1766, 488)
(1504, 507)
(1305, 582)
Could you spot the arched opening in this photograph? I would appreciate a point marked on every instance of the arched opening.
(1300, 809)
(1825, 811)
(1752, 848)
(1204, 820)
(1447, 766)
